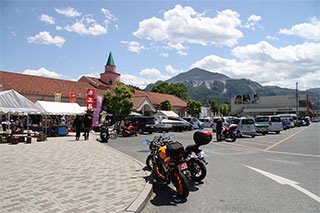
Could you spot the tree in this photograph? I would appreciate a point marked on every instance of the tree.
(194, 107)
(225, 109)
(117, 101)
(178, 89)
(166, 105)
(214, 107)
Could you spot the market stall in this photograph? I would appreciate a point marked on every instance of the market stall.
(55, 115)
(13, 103)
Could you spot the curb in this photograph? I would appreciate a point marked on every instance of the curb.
(139, 203)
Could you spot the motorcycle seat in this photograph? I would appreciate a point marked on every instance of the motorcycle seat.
(191, 147)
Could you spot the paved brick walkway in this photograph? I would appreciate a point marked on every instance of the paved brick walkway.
(64, 175)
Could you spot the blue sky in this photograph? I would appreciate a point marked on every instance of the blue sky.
(272, 42)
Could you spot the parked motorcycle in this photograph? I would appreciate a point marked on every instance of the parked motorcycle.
(104, 134)
(229, 132)
(168, 167)
(195, 157)
(128, 131)
(192, 155)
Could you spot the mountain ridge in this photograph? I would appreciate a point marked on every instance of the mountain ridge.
(205, 85)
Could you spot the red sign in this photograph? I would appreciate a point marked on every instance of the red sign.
(73, 98)
(90, 99)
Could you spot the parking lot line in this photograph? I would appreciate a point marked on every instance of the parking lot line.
(237, 145)
(276, 144)
(259, 144)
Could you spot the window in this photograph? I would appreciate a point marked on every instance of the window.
(110, 81)
(262, 119)
(247, 121)
(275, 119)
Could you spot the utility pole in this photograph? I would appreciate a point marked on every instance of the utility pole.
(297, 99)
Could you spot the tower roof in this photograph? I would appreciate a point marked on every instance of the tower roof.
(110, 61)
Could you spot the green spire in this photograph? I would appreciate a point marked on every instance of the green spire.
(110, 61)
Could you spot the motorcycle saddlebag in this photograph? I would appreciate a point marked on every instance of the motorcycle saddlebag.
(202, 137)
(174, 148)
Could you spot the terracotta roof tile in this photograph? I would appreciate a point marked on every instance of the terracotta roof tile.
(37, 85)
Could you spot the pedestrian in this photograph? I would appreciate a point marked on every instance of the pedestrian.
(87, 126)
(219, 129)
(77, 123)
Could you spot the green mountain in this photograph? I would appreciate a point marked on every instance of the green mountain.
(204, 85)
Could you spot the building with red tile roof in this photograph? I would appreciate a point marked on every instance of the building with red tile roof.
(44, 89)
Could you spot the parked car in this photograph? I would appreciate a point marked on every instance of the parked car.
(286, 123)
(307, 120)
(315, 119)
(274, 122)
(185, 126)
(292, 117)
(245, 126)
(194, 122)
(143, 123)
(262, 128)
(207, 122)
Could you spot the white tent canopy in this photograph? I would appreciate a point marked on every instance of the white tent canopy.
(167, 113)
(60, 108)
(13, 102)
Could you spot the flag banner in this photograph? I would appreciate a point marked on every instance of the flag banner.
(73, 98)
(90, 99)
(57, 97)
(96, 112)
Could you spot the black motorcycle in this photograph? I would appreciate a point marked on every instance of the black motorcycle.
(168, 166)
(104, 134)
(195, 157)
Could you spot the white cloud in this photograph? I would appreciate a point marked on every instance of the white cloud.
(59, 28)
(172, 70)
(134, 46)
(109, 15)
(254, 18)
(42, 72)
(269, 37)
(153, 73)
(252, 22)
(269, 65)
(305, 30)
(45, 38)
(46, 18)
(136, 81)
(184, 24)
(68, 12)
(86, 26)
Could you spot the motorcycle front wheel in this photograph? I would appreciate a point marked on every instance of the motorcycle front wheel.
(197, 169)
(158, 171)
(181, 183)
(149, 162)
(233, 137)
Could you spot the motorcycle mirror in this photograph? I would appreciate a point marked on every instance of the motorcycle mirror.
(171, 137)
(145, 142)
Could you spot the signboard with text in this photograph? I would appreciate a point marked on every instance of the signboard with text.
(73, 98)
(90, 99)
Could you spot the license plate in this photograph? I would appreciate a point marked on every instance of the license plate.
(201, 154)
(182, 166)
(248, 127)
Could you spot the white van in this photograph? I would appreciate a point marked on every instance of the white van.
(207, 122)
(246, 126)
(274, 122)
